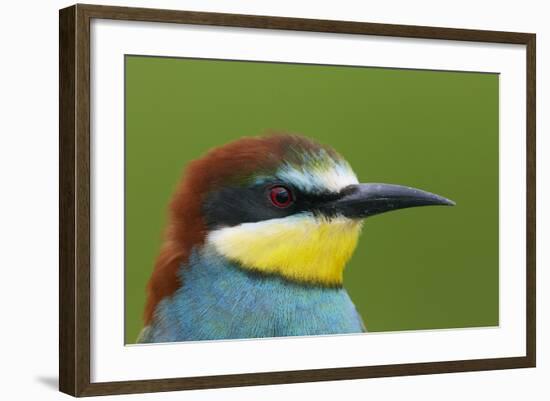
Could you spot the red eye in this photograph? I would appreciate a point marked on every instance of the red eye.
(281, 196)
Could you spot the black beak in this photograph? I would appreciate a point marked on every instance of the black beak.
(364, 200)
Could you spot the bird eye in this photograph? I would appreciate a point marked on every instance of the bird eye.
(281, 196)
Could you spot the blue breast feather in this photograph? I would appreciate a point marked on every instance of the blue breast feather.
(219, 300)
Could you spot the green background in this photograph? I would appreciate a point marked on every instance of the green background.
(422, 268)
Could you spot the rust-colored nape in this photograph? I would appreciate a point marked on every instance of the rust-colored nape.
(186, 226)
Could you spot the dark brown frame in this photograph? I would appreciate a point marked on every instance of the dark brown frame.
(74, 199)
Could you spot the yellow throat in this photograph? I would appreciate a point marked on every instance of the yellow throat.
(302, 248)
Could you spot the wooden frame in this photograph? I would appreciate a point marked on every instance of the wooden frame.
(74, 203)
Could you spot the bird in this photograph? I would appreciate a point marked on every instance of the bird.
(258, 236)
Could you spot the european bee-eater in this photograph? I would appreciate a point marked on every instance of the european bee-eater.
(259, 233)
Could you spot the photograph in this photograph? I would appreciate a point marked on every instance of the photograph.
(253, 192)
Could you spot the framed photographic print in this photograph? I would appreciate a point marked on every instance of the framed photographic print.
(251, 200)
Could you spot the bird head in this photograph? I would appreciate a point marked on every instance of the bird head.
(280, 205)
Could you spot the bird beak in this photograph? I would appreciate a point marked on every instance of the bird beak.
(364, 200)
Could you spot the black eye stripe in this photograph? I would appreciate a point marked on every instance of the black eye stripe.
(231, 206)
